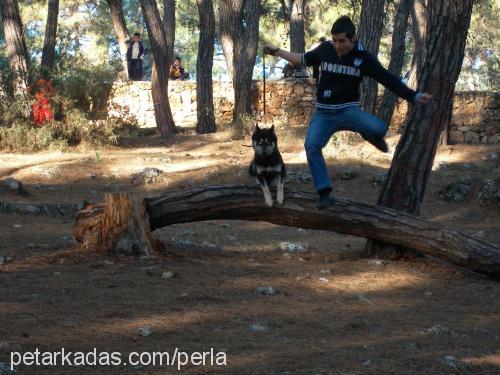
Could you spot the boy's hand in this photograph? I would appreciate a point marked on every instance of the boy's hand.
(269, 49)
(424, 98)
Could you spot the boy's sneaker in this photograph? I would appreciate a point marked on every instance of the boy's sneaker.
(378, 142)
(325, 199)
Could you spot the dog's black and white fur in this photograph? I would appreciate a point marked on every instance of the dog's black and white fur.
(267, 165)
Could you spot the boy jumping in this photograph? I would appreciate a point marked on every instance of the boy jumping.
(343, 63)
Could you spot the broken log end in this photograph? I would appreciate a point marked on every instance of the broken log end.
(120, 225)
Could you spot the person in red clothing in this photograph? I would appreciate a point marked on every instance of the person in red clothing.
(42, 108)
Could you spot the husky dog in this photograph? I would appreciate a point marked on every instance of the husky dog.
(267, 165)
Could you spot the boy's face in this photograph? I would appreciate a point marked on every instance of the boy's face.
(177, 62)
(342, 44)
(137, 38)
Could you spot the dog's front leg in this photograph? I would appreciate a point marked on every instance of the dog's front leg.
(280, 195)
(265, 189)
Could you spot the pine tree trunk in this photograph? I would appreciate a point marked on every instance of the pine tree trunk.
(169, 22)
(228, 13)
(447, 23)
(16, 48)
(397, 57)
(4, 95)
(204, 63)
(369, 34)
(239, 29)
(120, 26)
(49, 44)
(419, 30)
(159, 77)
(246, 41)
(297, 18)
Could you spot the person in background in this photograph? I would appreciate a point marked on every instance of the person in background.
(177, 72)
(135, 55)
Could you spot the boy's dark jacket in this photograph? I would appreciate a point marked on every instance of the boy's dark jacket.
(341, 76)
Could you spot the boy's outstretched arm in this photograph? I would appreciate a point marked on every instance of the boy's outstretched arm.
(374, 69)
(292, 57)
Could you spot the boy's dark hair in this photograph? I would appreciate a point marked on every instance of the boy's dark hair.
(137, 34)
(177, 58)
(344, 25)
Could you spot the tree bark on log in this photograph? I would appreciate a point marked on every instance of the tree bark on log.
(240, 202)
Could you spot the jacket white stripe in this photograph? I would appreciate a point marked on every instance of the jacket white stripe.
(336, 106)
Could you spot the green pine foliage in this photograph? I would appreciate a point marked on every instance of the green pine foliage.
(87, 59)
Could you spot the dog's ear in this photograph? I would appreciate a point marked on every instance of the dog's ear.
(272, 128)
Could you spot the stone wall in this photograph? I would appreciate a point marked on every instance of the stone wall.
(476, 118)
(135, 99)
(476, 115)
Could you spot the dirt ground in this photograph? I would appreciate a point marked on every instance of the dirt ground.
(333, 311)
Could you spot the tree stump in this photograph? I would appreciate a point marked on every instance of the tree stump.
(120, 225)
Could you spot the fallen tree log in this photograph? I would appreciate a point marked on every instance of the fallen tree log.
(299, 210)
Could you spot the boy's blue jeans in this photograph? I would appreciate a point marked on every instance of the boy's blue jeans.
(324, 123)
